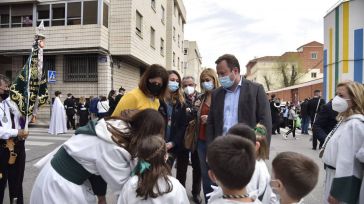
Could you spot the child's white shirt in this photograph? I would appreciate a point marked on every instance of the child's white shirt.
(258, 186)
(177, 196)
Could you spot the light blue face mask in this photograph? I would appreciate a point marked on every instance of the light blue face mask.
(208, 85)
(173, 86)
(226, 82)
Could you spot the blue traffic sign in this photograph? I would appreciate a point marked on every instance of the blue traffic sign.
(51, 76)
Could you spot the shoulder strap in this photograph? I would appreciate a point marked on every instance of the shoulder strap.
(318, 103)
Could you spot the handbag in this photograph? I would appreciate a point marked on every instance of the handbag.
(189, 141)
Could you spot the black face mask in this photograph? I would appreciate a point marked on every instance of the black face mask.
(5, 95)
(155, 89)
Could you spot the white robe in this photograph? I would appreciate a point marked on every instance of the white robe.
(177, 196)
(345, 152)
(99, 155)
(258, 185)
(58, 122)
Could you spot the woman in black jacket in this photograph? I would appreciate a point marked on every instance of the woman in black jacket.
(173, 109)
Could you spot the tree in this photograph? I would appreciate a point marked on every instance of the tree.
(267, 82)
(291, 73)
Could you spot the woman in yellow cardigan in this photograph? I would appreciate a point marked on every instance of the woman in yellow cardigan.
(152, 86)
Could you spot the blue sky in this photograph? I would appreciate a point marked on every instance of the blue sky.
(253, 28)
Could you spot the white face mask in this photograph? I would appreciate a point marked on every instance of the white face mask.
(340, 104)
(189, 90)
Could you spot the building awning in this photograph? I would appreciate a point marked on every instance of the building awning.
(57, 51)
(17, 1)
(309, 83)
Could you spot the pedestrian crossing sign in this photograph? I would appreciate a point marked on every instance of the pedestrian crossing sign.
(51, 76)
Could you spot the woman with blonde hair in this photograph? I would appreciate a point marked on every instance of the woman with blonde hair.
(208, 82)
(343, 150)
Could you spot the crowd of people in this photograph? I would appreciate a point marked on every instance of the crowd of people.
(224, 132)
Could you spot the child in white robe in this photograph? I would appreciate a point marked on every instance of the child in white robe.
(231, 159)
(259, 183)
(152, 182)
(105, 149)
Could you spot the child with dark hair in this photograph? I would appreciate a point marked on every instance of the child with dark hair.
(151, 180)
(294, 176)
(258, 185)
(226, 157)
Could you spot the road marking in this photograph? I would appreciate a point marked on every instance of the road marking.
(46, 138)
(36, 143)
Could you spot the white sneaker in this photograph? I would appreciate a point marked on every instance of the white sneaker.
(284, 137)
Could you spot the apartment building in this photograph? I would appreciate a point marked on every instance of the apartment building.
(93, 45)
(192, 60)
(176, 19)
(307, 61)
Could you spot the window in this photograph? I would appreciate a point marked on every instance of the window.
(313, 55)
(80, 68)
(174, 59)
(4, 16)
(183, 27)
(43, 14)
(163, 14)
(182, 45)
(174, 34)
(185, 51)
(181, 64)
(74, 13)
(21, 15)
(178, 62)
(153, 4)
(105, 18)
(162, 47)
(179, 19)
(58, 14)
(49, 62)
(313, 75)
(89, 12)
(139, 23)
(178, 40)
(152, 37)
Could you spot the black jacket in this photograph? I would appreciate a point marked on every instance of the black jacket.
(70, 106)
(178, 124)
(312, 105)
(253, 108)
(325, 121)
(304, 109)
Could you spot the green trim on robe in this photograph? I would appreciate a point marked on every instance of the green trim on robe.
(346, 189)
(88, 129)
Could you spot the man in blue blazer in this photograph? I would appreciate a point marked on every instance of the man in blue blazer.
(237, 101)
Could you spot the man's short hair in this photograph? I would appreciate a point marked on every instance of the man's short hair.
(243, 130)
(273, 96)
(69, 94)
(189, 77)
(121, 89)
(57, 93)
(231, 61)
(4, 79)
(297, 172)
(317, 91)
(232, 159)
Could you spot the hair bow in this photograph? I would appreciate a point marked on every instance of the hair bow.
(141, 167)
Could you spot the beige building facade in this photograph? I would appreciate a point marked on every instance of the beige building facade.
(93, 45)
(176, 19)
(307, 62)
(192, 60)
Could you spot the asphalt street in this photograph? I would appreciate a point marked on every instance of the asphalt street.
(40, 143)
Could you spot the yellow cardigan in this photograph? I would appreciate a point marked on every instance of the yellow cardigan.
(135, 100)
